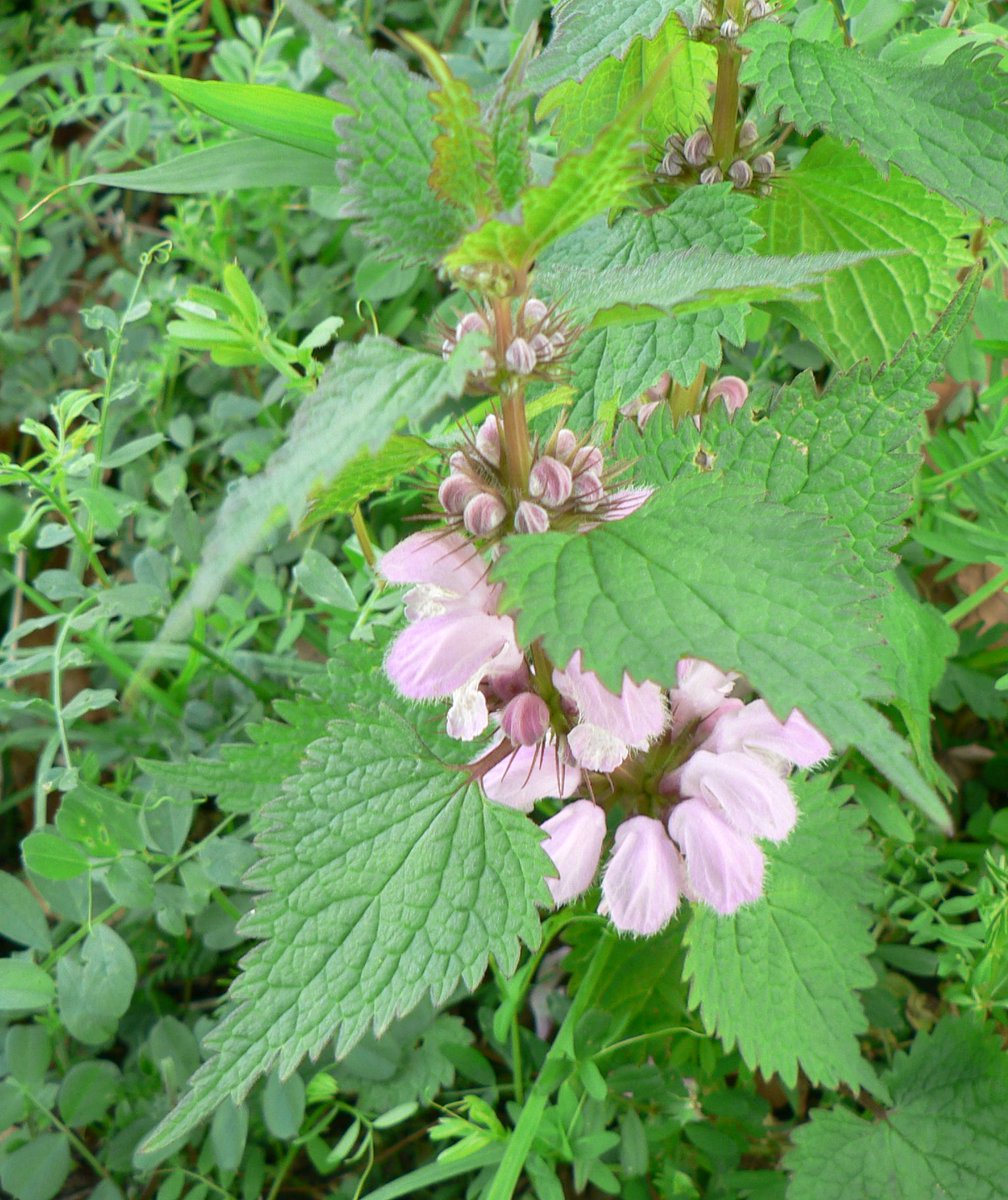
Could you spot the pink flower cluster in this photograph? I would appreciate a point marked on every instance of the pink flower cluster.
(704, 775)
(731, 390)
(539, 339)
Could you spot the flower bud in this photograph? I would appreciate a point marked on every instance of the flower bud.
(551, 481)
(447, 346)
(534, 312)
(566, 443)
(531, 518)
(729, 30)
(674, 141)
(711, 175)
(731, 389)
(574, 844)
(525, 719)
(589, 458)
(520, 357)
(488, 440)
(698, 148)
(471, 322)
(740, 173)
(483, 514)
(756, 10)
(763, 164)
(458, 461)
(542, 347)
(588, 489)
(558, 339)
(671, 164)
(455, 493)
(748, 134)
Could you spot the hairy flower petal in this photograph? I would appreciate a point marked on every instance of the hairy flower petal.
(643, 879)
(574, 844)
(532, 773)
(724, 868)
(744, 789)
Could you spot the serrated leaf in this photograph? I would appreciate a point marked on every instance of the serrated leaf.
(387, 878)
(710, 569)
(584, 184)
(623, 360)
(835, 200)
(578, 111)
(943, 1135)
(779, 977)
(507, 118)
(844, 453)
(463, 171)
(386, 153)
(946, 125)
(682, 280)
(369, 388)
(366, 474)
(585, 33)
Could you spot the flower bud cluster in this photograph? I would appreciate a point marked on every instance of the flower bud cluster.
(536, 343)
(692, 159)
(568, 487)
(730, 389)
(726, 27)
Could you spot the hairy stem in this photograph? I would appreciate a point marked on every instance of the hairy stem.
(724, 127)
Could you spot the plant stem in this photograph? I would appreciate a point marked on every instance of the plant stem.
(554, 1071)
(990, 588)
(724, 127)
(683, 401)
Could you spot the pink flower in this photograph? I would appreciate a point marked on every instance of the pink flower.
(624, 502)
(609, 726)
(750, 795)
(732, 390)
(723, 867)
(643, 879)
(757, 731)
(532, 773)
(525, 719)
(455, 638)
(574, 844)
(701, 689)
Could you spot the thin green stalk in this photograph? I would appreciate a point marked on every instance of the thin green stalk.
(78, 1144)
(554, 1071)
(966, 606)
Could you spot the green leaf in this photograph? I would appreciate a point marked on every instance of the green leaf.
(835, 200)
(681, 280)
(407, 1063)
(95, 989)
(507, 118)
(945, 125)
(464, 171)
(369, 388)
(51, 856)
(388, 878)
(38, 1169)
(283, 1105)
(943, 1135)
(322, 581)
(241, 163)
(366, 474)
(386, 153)
(710, 569)
(279, 114)
(21, 917)
(623, 360)
(23, 985)
(580, 110)
(918, 643)
(88, 1091)
(585, 33)
(778, 978)
(584, 184)
(844, 453)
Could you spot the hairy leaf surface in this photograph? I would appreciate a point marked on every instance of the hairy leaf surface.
(779, 977)
(623, 360)
(387, 878)
(709, 568)
(943, 1136)
(580, 110)
(585, 33)
(835, 200)
(946, 125)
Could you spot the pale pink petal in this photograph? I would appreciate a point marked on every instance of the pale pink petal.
(595, 748)
(701, 689)
(643, 879)
(636, 716)
(742, 788)
(468, 715)
(732, 390)
(756, 730)
(447, 560)
(532, 773)
(435, 656)
(525, 719)
(624, 502)
(709, 723)
(724, 868)
(574, 844)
